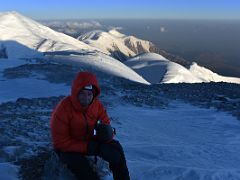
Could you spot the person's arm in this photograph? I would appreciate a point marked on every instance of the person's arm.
(104, 131)
(61, 133)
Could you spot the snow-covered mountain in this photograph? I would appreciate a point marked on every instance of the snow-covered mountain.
(115, 43)
(157, 69)
(21, 37)
(30, 37)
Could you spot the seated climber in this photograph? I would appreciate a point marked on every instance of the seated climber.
(73, 123)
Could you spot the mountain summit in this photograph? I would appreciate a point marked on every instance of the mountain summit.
(116, 44)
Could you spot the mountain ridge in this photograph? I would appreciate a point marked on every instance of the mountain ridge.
(22, 37)
(122, 47)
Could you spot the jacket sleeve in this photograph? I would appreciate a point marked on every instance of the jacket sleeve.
(102, 114)
(60, 132)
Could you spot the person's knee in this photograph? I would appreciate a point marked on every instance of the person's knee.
(111, 154)
(117, 145)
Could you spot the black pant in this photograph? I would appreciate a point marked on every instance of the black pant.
(111, 152)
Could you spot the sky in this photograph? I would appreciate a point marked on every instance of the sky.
(124, 9)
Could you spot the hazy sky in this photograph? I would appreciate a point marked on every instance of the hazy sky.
(94, 9)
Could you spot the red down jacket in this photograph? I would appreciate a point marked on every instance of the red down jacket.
(72, 125)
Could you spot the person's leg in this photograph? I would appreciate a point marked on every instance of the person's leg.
(78, 165)
(114, 154)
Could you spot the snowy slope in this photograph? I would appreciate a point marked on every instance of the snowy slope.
(23, 36)
(102, 63)
(116, 42)
(157, 69)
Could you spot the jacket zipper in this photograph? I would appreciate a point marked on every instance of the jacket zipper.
(87, 126)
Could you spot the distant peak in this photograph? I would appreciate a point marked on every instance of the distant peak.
(12, 14)
(115, 32)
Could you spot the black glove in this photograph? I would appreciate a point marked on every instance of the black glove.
(93, 148)
(104, 132)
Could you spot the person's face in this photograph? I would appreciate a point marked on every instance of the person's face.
(85, 97)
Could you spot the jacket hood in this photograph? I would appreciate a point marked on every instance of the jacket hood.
(81, 80)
